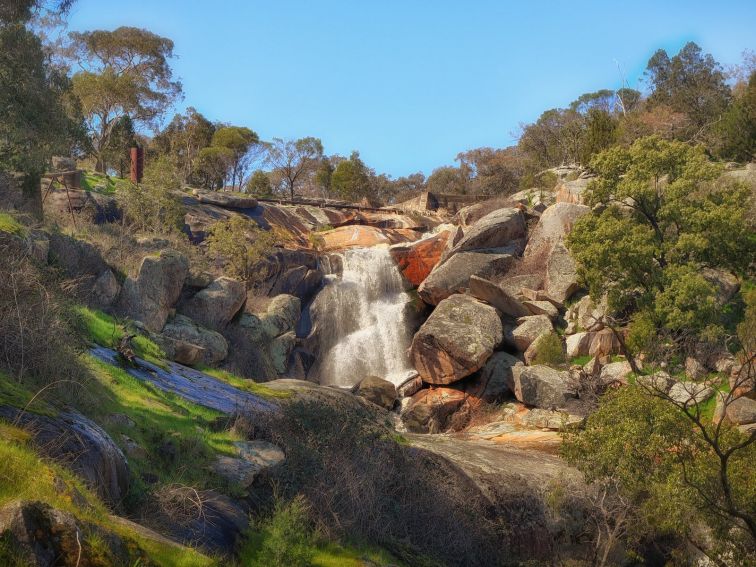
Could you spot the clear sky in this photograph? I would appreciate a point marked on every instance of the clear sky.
(412, 83)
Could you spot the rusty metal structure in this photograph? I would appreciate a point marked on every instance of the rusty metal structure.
(137, 164)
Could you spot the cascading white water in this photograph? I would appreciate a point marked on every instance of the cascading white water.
(364, 313)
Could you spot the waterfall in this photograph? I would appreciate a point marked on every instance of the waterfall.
(363, 320)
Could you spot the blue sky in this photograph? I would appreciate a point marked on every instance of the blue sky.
(412, 83)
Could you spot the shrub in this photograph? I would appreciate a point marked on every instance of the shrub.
(37, 342)
(154, 206)
(287, 539)
(550, 350)
(241, 244)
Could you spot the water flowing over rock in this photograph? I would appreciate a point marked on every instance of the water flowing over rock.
(362, 321)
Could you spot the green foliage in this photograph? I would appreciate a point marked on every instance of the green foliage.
(241, 244)
(259, 184)
(154, 206)
(182, 140)
(286, 538)
(351, 179)
(104, 330)
(737, 129)
(550, 350)
(235, 143)
(244, 383)
(670, 471)
(23, 474)
(117, 151)
(667, 216)
(9, 225)
(35, 111)
(125, 72)
(690, 82)
(447, 179)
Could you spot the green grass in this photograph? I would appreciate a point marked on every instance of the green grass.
(162, 420)
(100, 183)
(106, 331)
(25, 476)
(17, 395)
(243, 383)
(581, 360)
(10, 225)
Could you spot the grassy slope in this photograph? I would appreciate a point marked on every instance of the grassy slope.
(99, 183)
(23, 475)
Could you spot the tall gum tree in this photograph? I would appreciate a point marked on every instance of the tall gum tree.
(124, 72)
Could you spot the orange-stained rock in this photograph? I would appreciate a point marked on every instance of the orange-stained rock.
(360, 236)
(418, 259)
(430, 411)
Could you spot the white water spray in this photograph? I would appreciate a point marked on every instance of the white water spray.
(363, 320)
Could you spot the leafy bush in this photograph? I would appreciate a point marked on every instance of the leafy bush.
(550, 350)
(287, 539)
(241, 244)
(154, 206)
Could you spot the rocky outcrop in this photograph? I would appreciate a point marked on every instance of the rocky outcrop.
(150, 296)
(561, 274)
(541, 386)
(578, 344)
(456, 340)
(430, 411)
(377, 390)
(498, 296)
(690, 393)
(106, 289)
(262, 342)
(528, 330)
(572, 191)
(76, 257)
(585, 315)
(215, 306)
(546, 248)
(495, 230)
(354, 236)
(80, 444)
(418, 259)
(226, 200)
(214, 345)
(254, 457)
(604, 343)
(35, 533)
(453, 276)
(497, 377)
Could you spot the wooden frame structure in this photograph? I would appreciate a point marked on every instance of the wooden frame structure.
(60, 177)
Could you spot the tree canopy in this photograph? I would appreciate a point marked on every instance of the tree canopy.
(125, 72)
(294, 160)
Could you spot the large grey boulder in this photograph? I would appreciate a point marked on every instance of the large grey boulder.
(690, 393)
(80, 444)
(741, 411)
(106, 289)
(541, 386)
(150, 296)
(456, 340)
(495, 230)
(561, 274)
(578, 344)
(497, 296)
(215, 306)
(555, 223)
(182, 328)
(453, 276)
(529, 330)
(35, 533)
(377, 390)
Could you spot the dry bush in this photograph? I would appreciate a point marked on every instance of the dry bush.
(362, 482)
(37, 344)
